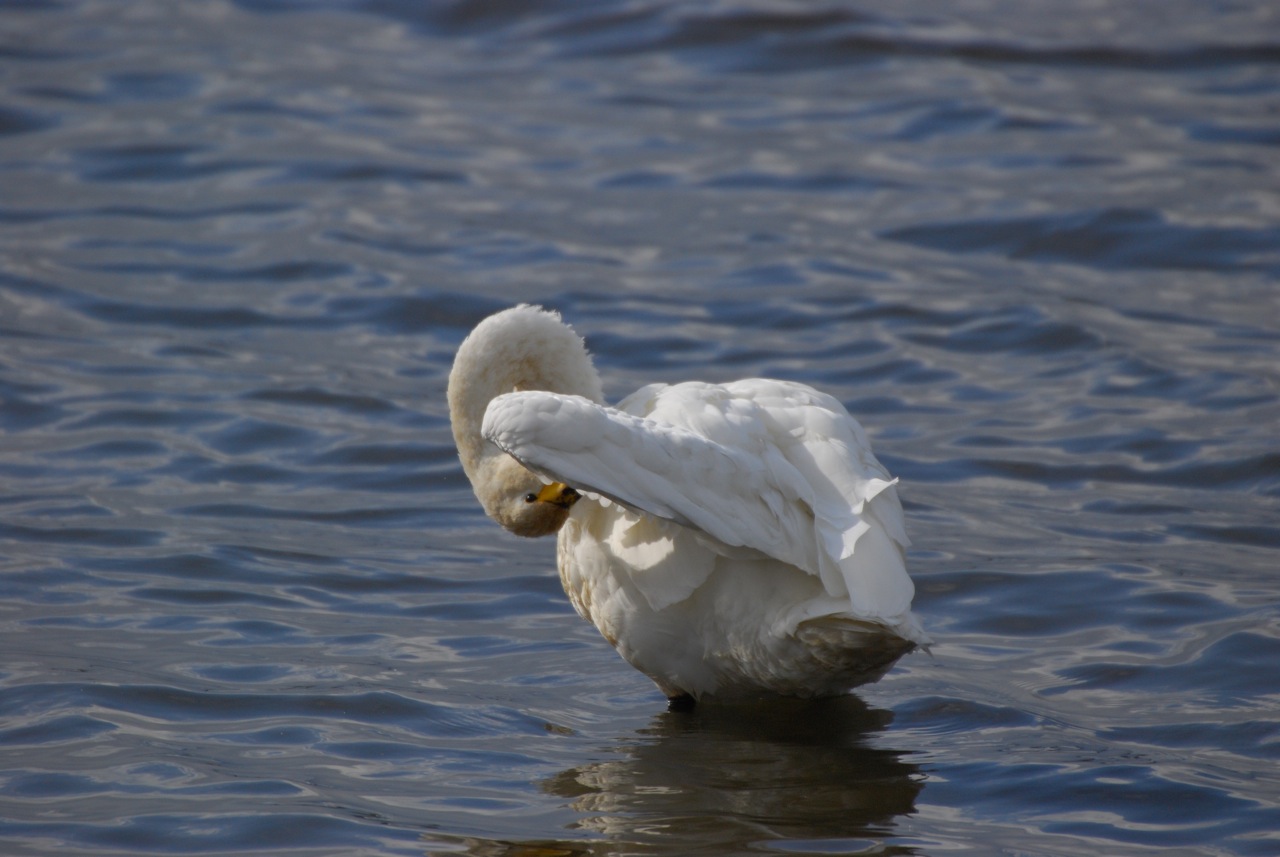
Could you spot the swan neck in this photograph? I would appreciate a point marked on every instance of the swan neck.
(524, 348)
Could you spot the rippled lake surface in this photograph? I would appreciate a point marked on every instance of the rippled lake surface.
(250, 604)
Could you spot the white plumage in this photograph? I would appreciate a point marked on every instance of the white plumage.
(732, 539)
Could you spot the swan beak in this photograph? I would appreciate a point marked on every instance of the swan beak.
(558, 494)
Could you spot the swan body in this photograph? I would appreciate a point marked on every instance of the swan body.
(728, 540)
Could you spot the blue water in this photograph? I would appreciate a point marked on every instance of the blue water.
(248, 603)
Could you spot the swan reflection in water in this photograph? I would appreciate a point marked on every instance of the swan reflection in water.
(728, 780)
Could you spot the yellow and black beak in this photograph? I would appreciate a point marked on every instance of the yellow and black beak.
(558, 494)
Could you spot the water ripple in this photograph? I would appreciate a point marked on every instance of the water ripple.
(177, 705)
(249, 602)
(1111, 239)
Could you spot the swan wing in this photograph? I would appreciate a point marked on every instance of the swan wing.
(858, 527)
(650, 467)
(768, 465)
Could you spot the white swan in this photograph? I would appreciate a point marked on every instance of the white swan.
(729, 540)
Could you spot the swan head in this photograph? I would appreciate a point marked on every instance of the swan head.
(522, 348)
(521, 502)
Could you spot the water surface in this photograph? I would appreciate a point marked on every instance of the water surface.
(250, 604)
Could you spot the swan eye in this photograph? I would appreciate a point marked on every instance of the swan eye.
(531, 498)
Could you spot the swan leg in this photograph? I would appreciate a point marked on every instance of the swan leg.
(681, 703)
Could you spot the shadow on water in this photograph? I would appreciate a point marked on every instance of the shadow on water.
(727, 779)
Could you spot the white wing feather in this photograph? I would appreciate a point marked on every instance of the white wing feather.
(773, 466)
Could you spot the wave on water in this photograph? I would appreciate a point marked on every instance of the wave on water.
(250, 603)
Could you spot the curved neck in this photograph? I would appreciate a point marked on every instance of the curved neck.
(523, 348)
